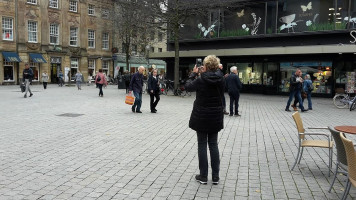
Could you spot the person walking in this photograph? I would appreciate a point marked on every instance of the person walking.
(308, 88)
(100, 80)
(207, 117)
(45, 79)
(136, 85)
(127, 79)
(78, 80)
(60, 79)
(224, 100)
(153, 89)
(234, 86)
(27, 77)
(295, 88)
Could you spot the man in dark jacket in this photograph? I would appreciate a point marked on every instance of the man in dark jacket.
(234, 86)
(295, 89)
(153, 89)
(27, 77)
(136, 85)
(207, 117)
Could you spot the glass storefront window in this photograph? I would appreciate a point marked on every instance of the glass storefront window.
(341, 71)
(341, 14)
(8, 71)
(352, 19)
(312, 15)
(249, 73)
(35, 67)
(270, 74)
(320, 74)
(271, 17)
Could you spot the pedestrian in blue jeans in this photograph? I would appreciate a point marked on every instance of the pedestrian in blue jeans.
(136, 85)
(308, 88)
(295, 88)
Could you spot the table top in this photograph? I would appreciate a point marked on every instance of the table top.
(346, 129)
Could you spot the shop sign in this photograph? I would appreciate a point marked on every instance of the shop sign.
(353, 35)
(56, 60)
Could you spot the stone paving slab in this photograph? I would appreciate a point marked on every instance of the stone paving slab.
(68, 144)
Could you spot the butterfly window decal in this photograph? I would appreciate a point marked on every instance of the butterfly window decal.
(208, 30)
(241, 13)
(307, 7)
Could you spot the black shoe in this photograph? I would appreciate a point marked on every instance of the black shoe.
(138, 111)
(310, 108)
(152, 111)
(31, 95)
(216, 180)
(155, 110)
(287, 110)
(225, 113)
(304, 110)
(231, 115)
(133, 109)
(201, 179)
(237, 115)
(25, 96)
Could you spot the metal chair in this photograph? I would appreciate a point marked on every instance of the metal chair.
(303, 142)
(351, 160)
(341, 163)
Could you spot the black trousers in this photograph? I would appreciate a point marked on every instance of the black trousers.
(45, 85)
(210, 139)
(153, 103)
(127, 85)
(100, 89)
(234, 100)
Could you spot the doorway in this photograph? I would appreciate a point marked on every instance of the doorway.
(55, 68)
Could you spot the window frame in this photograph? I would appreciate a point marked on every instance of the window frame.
(53, 1)
(51, 34)
(71, 36)
(105, 42)
(91, 9)
(4, 29)
(72, 6)
(31, 32)
(33, 2)
(91, 39)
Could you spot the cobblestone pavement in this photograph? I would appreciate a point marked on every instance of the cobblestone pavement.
(68, 144)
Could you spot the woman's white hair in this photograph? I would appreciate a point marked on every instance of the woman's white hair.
(233, 68)
(307, 76)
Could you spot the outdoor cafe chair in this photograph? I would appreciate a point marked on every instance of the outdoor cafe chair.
(341, 161)
(351, 160)
(303, 142)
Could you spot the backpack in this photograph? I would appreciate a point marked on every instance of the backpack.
(98, 79)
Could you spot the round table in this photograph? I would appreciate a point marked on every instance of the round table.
(346, 129)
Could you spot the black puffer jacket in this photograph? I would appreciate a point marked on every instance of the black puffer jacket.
(207, 115)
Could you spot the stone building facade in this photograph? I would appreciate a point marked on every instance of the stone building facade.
(53, 36)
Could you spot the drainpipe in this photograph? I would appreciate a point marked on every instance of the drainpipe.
(16, 38)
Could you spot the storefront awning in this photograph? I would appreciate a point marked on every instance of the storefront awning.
(11, 57)
(37, 58)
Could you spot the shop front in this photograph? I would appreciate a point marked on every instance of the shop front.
(56, 63)
(10, 65)
(35, 65)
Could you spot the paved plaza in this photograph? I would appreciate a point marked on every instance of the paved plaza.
(68, 144)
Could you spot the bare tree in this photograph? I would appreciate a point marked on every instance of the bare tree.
(132, 25)
(171, 14)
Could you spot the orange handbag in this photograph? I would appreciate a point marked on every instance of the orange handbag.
(129, 100)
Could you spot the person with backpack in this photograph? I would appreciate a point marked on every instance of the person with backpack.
(100, 80)
(308, 88)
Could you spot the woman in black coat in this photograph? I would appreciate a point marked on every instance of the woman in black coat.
(207, 117)
(153, 89)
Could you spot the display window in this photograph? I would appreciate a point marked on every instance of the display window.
(249, 73)
(270, 74)
(74, 63)
(35, 69)
(8, 71)
(343, 71)
(320, 74)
